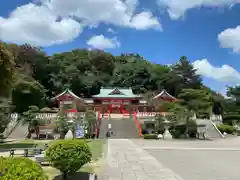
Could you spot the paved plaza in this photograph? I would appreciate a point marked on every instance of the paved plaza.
(172, 160)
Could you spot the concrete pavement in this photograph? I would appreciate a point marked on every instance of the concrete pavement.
(138, 159)
(127, 161)
(198, 160)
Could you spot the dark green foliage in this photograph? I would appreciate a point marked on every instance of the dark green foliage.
(178, 131)
(68, 155)
(197, 100)
(160, 130)
(19, 168)
(7, 67)
(26, 93)
(184, 130)
(150, 136)
(62, 126)
(91, 120)
(5, 110)
(226, 128)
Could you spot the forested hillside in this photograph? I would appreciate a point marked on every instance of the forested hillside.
(29, 77)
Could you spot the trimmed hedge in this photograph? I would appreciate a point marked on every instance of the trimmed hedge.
(150, 136)
(68, 155)
(226, 128)
(20, 168)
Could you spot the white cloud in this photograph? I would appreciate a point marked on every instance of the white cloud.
(116, 12)
(37, 25)
(145, 20)
(48, 22)
(101, 42)
(177, 8)
(110, 30)
(230, 38)
(225, 73)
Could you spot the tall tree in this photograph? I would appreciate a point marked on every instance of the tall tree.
(32, 120)
(186, 74)
(197, 100)
(7, 70)
(234, 93)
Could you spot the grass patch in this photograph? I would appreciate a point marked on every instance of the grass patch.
(18, 145)
(22, 144)
(96, 147)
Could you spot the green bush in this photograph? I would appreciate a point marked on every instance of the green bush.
(20, 168)
(161, 130)
(176, 134)
(226, 128)
(68, 155)
(192, 129)
(150, 136)
(177, 131)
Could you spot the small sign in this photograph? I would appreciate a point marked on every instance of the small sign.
(80, 132)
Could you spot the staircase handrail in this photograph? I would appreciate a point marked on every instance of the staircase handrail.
(137, 124)
(219, 132)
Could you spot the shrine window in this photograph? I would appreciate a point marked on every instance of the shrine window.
(97, 102)
(150, 125)
(135, 102)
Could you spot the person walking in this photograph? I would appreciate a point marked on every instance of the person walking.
(108, 134)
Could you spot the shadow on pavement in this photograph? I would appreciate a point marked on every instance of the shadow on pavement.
(76, 176)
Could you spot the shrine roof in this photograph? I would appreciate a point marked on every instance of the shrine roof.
(116, 93)
(67, 92)
(164, 94)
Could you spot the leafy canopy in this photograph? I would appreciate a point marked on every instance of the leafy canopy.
(19, 168)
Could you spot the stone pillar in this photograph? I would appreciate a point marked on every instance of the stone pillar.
(167, 135)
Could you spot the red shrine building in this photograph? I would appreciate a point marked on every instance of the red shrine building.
(109, 100)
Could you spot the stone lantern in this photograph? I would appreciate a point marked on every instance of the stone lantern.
(69, 135)
(167, 134)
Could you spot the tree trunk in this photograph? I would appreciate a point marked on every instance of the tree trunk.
(29, 135)
(186, 130)
(65, 174)
(37, 132)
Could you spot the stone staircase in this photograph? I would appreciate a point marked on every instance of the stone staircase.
(124, 128)
(103, 127)
(19, 132)
(212, 132)
(121, 127)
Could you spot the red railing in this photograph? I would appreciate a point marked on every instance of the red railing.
(137, 124)
(99, 122)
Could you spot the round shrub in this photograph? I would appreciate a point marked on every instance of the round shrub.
(20, 168)
(68, 155)
(150, 136)
(226, 128)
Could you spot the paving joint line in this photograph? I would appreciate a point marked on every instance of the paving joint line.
(191, 148)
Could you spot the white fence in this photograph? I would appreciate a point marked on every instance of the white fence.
(216, 119)
(146, 114)
(15, 116)
(55, 115)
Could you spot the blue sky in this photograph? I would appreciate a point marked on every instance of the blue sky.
(206, 31)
